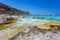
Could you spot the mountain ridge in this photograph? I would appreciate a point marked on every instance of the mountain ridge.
(5, 9)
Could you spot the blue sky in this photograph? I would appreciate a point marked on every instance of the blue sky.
(36, 7)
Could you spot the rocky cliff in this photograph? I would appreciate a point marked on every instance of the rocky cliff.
(5, 9)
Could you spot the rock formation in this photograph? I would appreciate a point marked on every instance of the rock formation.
(5, 9)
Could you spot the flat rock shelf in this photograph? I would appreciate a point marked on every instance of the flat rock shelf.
(33, 33)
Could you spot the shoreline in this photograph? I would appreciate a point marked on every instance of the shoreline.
(20, 25)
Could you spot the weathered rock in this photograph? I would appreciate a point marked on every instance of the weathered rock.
(38, 34)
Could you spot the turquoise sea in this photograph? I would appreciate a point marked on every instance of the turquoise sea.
(39, 17)
(33, 20)
(47, 17)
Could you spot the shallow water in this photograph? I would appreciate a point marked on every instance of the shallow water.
(38, 17)
(34, 20)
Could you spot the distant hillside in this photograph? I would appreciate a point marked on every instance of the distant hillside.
(5, 9)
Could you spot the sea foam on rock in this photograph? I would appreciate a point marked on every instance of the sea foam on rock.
(34, 33)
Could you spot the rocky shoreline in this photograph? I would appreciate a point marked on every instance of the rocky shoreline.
(33, 33)
(27, 29)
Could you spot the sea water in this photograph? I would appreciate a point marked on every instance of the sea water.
(43, 17)
(33, 20)
(38, 17)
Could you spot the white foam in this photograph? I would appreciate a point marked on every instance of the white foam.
(26, 21)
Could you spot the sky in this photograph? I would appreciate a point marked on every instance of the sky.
(36, 7)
